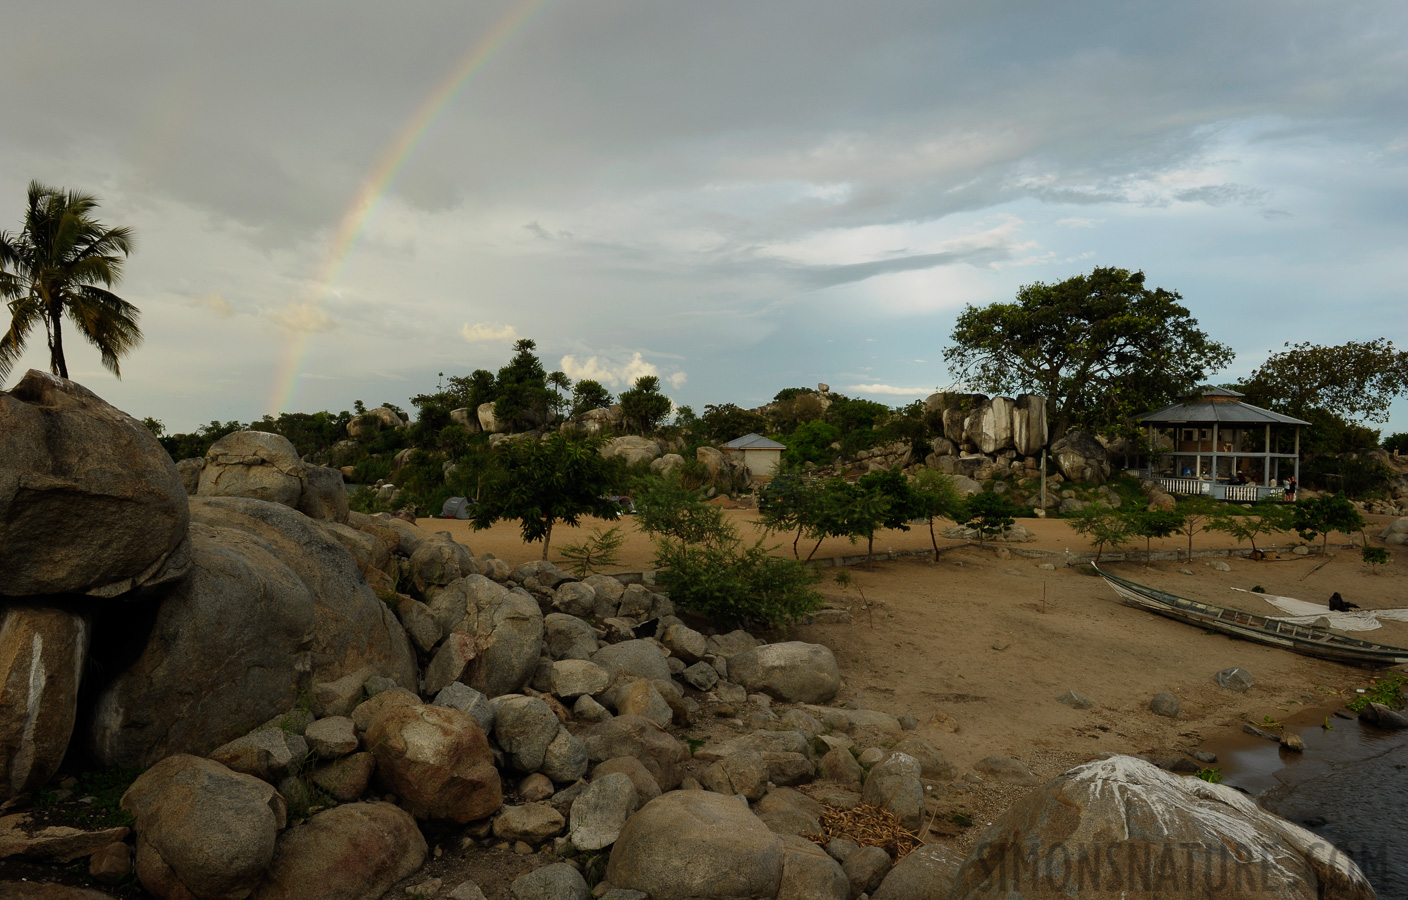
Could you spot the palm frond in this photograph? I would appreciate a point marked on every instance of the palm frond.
(25, 312)
(107, 322)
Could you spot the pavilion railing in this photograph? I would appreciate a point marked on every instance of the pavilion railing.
(1185, 485)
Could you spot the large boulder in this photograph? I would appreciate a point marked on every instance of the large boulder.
(253, 464)
(228, 651)
(1029, 424)
(602, 810)
(793, 672)
(696, 845)
(89, 501)
(203, 832)
(352, 852)
(990, 426)
(352, 629)
(437, 760)
(926, 873)
(439, 562)
(372, 421)
(42, 652)
(488, 422)
(632, 449)
(523, 728)
(507, 626)
(1396, 532)
(1081, 458)
(324, 495)
(1126, 825)
(467, 419)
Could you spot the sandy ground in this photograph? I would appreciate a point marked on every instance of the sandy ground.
(978, 647)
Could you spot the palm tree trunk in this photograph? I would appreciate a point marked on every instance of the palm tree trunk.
(57, 365)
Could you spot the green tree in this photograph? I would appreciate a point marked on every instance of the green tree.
(541, 483)
(1354, 380)
(588, 394)
(936, 497)
(522, 387)
(1103, 525)
(559, 383)
(1396, 442)
(1100, 347)
(784, 505)
(61, 264)
(726, 421)
(1323, 515)
(811, 442)
(1153, 523)
(989, 514)
(1197, 511)
(1261, 518)
(643, 406)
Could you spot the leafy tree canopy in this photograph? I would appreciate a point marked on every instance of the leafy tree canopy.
(541, 483)
(60, 265)
(522, 392)
(1100, 347)
(643, 406)
(726, 421)
(1355, 380)
(588, 394)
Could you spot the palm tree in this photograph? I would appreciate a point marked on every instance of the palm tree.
(60, 264)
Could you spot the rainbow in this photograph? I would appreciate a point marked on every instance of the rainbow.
(378, 180)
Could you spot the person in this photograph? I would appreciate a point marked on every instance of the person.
(1338, 604)
(1291, 489)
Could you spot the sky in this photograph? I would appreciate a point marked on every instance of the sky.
(341, 201)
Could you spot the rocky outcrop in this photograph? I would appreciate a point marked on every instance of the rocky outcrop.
(352, 629)
(264, 617)
(632, 449)
(89, 501)
(203, 831)
(990, 425)
(324, 495)
(507, 627)
(372, 421)
(1081, 457)
(42, 652)
(1122, 823)
(686, 845)
(253, 464)
(488, 422)
(1029, 424)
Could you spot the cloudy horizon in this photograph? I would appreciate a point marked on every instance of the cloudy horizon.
(736, 197)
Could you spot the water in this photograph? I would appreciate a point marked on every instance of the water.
(1350, 787)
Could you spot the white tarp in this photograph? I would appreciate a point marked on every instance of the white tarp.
(1305, 613)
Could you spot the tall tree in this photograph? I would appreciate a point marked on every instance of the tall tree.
(643, 406)
(61, 264)
(522, 387)
(590, 394)
(541, 483)
(1100, 347)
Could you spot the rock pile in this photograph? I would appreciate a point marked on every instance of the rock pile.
(306, 694)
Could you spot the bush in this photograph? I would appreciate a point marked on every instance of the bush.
(733, 585)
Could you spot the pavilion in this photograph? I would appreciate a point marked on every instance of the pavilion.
(1213, 443)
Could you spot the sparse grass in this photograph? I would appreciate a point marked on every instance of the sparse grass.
(1387, 691)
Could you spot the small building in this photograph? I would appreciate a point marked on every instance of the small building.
(760, 455)
(1213, 443)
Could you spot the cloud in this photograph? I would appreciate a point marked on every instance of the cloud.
(620, 375)
(890, 389)
(302, 318)
(1078, 222)
(218, 305)
(1222, 195)
(479, 332)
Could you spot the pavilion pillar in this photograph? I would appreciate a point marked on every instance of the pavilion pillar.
(1297, 466)
(1212, 476)
(1266, 466)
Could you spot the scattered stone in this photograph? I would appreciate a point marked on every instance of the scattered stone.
(894, 784)
(789, 812)
(1164, 704)
(865, 869)
(1235, 679)
(1177, 764)
(356, 851)
(1254, 731)
(926, 873)
(1203, 756)
(569, 678)
(566, 759)
(701, 676)
(908, 722)
(659, 751)
(436, 760)
(202, 830)
(933, 764)
(689, 844)
(1075, 700)
(1293, 743)
(111, 863)
(467, 890)
(332, 737)
(268, 753)
(1384, 716)
(809, 874)
(638, 657)
(647, 788)
(531, 822)
(466, 699)
(840, 766)
(744, 773)
(42, 653)
(1007, 770)
(588, 710)
(1218, 565)
(794, 672)
(1185, 571)
(599, 814)
(558, 881)
(524, 727)
(345, 779)
(20, 837)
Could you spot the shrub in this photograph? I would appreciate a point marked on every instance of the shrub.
(596, 552)
(735, 585)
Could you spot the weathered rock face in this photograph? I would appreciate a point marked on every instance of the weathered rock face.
(437, 760)
(41, 663)
(1396, 532)
(352, 628)
(253, 464)
(602, 810)
(695, 845)
(202, 831)
(794, 672)
(467, 419)
(372, 421)
(990, 426)
(179, 696)
(507, 626)
(324, 495)
(1029, 424)
(351, 852)
(89, 502)
(1081, 457)
(488, 422)
(631, 448)
(1135, 828)
(660, 753)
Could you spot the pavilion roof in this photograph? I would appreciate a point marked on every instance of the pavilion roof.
(1217, 405)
